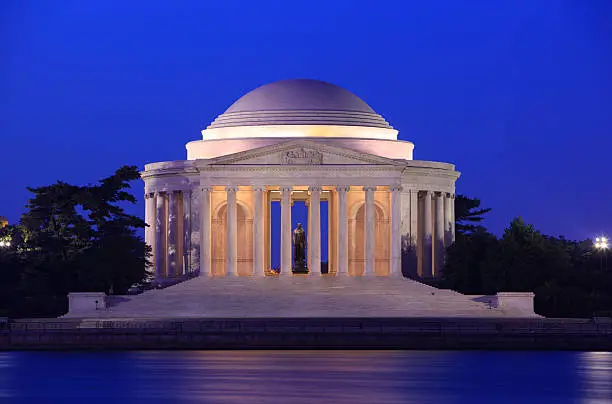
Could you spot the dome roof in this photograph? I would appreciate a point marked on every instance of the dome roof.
(299, 102)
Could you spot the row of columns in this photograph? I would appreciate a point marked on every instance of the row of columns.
(166, 232)
(439, 223)
(168, 214)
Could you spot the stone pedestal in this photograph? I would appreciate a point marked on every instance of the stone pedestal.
(299, 267)
(85, 304)
(518, 302)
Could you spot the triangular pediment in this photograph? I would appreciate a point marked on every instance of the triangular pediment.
(302, 152)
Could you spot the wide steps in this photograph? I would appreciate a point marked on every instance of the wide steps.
(298, 296)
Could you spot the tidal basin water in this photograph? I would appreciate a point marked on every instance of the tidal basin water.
(306, 376)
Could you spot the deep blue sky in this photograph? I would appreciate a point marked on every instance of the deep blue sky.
(516, 93)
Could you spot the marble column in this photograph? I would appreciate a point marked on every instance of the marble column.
(258, 231)
(427, 236)
(314, 238)
(439, 235)
(447, 220)
(410, 232)
(452, 205)
(267, 231)
(205, 229)
(285, 247)
(173, 233)
(308, 230)
(231, 233)
(396, 239)
(195, 237)
(186, 232)
(414, 219)
(331, 233)
(161, 236)
(370, 235)
(150, 214)
(343, 230)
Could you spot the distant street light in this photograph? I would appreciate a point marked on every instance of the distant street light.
(601, 245)
(5, 244)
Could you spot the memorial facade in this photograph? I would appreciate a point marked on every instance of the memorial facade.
(299, 140)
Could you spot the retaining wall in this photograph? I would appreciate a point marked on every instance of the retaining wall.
(309, 333)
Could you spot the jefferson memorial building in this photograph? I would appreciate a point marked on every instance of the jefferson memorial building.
(299, 140)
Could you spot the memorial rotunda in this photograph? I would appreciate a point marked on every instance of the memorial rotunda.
(299, 140)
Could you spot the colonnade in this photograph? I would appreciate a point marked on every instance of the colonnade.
(180, 226)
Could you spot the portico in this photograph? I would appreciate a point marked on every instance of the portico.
(210, 215)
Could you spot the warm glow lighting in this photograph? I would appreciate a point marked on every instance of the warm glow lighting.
(297, 131)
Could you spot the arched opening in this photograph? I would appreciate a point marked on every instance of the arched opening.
(357, 242)
(245, 240)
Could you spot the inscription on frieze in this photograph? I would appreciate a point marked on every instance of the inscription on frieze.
(302, 156)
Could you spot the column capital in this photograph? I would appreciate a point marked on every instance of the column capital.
(396, 188)
(343, 188)
(259, 188)
(149, 195)
(206, 188)
(426, 192)
(315, 188)
(286, 188)
(162, 193)
(369, 188)
(231, 188)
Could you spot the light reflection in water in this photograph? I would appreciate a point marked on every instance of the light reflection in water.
(596, 371)
(306, 376)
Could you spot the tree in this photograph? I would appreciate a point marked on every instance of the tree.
(565, 275)
(470, 262)
(528, 259)
(468, 214)
(118, 255)
(74, 239)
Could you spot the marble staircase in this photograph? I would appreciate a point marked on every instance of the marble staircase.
(298, 296)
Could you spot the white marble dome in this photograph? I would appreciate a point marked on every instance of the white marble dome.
(299, 102)
(299, 108)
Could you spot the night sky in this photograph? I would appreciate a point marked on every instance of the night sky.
(517, 93)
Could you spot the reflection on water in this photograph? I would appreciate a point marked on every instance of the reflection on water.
(300, 377)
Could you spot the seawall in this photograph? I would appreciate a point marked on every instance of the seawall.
(308, 333)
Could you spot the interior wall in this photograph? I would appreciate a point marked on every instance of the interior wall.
(382, 229)
(245, 231)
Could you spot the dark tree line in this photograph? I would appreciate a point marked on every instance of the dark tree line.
(567, 277)
(72, 239)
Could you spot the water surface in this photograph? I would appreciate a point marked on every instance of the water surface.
(306, 376)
